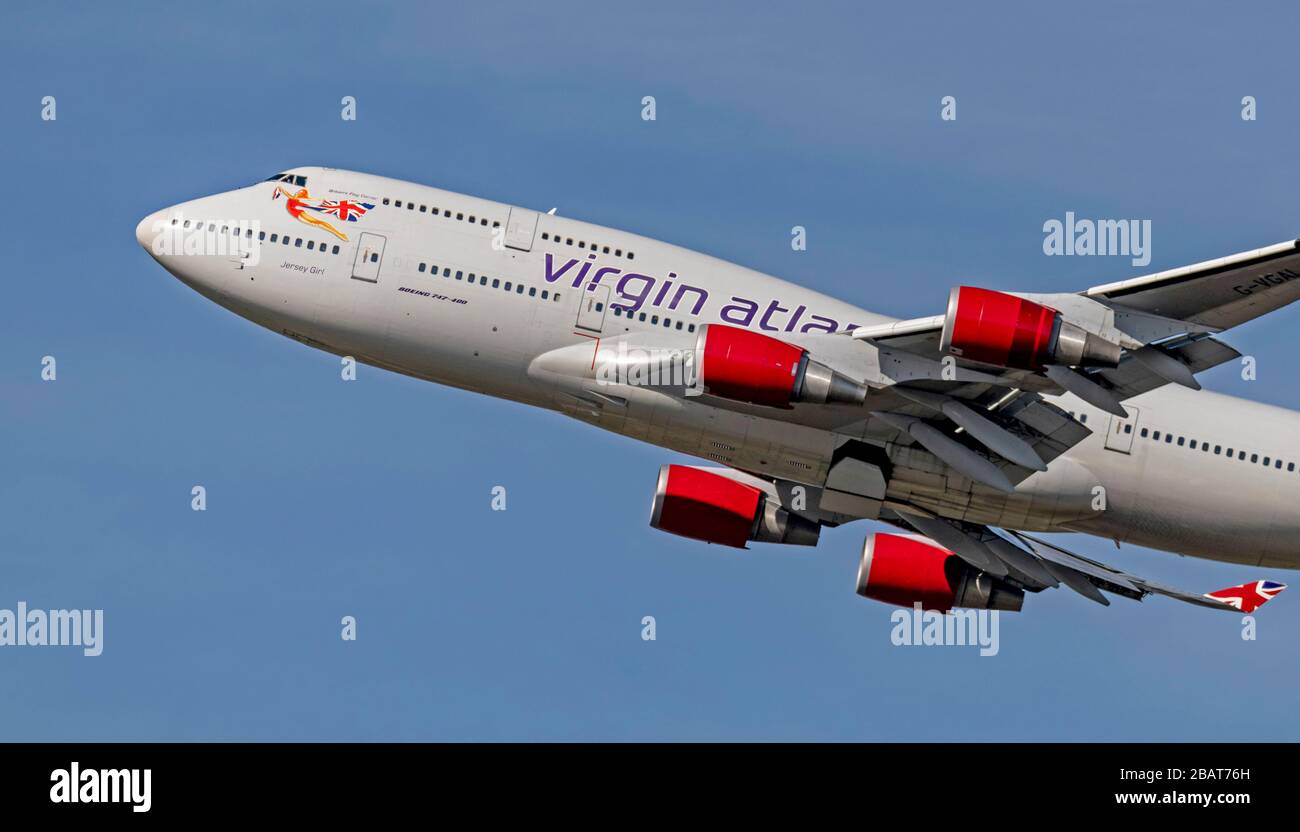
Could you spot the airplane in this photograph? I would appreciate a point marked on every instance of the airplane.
(969, 433)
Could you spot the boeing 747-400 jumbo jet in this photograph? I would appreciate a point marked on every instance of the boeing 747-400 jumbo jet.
(1007, 414)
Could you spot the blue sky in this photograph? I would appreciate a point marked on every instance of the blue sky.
(372, 499)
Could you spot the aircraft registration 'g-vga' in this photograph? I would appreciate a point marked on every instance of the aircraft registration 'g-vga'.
(1008, 414)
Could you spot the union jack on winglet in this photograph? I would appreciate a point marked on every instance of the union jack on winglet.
(1249, 596)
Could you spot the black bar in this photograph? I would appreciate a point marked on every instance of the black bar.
(366, 781)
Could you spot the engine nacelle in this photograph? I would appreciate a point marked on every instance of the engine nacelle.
(756, 368)
(702, 505)
(908, 569)
(1009, 331)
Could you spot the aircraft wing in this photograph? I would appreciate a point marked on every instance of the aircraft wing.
(1218, 294)
(973, 385)
(1034, 564)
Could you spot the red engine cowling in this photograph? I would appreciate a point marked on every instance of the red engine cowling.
(1009, 331)
(703, 505)
(756, 368)
(906, 569)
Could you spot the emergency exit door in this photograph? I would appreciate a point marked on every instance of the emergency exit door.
(370, 256)
(521, 226)
(1119, 437)
(592, 307)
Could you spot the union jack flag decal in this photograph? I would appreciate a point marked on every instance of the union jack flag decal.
(344, 209)
(1248, 597)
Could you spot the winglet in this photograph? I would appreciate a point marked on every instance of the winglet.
(1249, 596)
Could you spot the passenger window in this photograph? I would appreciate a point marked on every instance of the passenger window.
(532, 291)
(374, 258)
(459, 274)
(1254, 457)
(421, 269)
(545, 294)
(507, 286)
(297, 243)
(496, 282)
(335, 251)
(519, 290)
(275, 238)
(311, 245)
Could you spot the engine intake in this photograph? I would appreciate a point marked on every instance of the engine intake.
(756, 368)
(908, 569)
(702, 505)
(1009, 331)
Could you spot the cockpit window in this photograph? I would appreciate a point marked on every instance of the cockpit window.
(292, 179)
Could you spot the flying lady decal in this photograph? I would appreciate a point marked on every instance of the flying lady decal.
(298, 204)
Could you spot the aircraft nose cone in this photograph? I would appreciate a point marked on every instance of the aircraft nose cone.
(149, 229)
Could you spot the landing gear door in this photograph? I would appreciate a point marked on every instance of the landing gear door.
(592, 307)
(521, 225)
(370, 256)
(1119, 437)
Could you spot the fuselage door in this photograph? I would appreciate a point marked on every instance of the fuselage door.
(521, 225)
(591, 308)
(370, 256)
(1119, 437)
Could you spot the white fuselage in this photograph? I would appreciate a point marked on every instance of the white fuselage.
(512, 303)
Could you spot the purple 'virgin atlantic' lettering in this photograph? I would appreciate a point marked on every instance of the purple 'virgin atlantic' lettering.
(551, 274)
